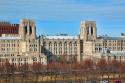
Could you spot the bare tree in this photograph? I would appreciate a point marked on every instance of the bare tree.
(36, 68)
(23, 69)
(87, 67)
(102, 66)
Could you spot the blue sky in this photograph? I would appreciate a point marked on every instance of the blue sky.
(64, 16)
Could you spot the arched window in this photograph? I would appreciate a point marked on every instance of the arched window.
(75, 47)
(92, 30)
(25, 29)
(55, 48)
(87, 30)
(70, 47)
(30, 28)
(60, 48)
(65, 48)
(50, 46)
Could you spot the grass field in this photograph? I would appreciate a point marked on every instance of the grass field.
(58, 78)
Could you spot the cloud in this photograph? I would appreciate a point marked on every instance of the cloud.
(60, 9)
(119, 2)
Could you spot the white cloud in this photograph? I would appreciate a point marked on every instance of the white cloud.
(59, 10)
(118, 2)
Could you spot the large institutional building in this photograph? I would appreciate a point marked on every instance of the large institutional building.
(19, 44)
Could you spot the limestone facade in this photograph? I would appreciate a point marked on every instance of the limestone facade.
(20, 44)
(22, 47)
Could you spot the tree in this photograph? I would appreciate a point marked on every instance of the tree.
(116, 65)
(77, 66)
(88, 64)
(122, 67)
(9, 71)
(1, 72)
(102, 64)
(36, 68)
(23, 69)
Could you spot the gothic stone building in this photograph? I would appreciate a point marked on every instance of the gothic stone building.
(19, 44)
(85, 45)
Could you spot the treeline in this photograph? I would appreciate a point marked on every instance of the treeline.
(87, 68)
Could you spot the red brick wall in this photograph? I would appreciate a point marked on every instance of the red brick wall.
(6, 28)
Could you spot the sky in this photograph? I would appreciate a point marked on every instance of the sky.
(63, 16)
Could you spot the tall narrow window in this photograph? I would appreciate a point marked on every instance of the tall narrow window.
(25, 29)
(30, 30)
(50, 47)
(60, 48)
(87, 30)
(65, 48)
(55, 48)
(92, 30)
(70, 47)
(75, 47)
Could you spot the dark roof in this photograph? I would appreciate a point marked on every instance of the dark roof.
(110, 38)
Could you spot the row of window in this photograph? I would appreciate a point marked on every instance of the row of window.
(59, 47)
(8, 41)
(9, 45)
(9, 50)
(6, 55)
(59, 50)
(119, 57)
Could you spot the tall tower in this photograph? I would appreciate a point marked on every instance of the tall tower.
(88, 30)
(27, 29)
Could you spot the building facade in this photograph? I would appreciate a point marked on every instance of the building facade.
(85, 45)
(103, 46)
(19, 44)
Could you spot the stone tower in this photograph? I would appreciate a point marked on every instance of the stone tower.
(88, 30)
(27, 29)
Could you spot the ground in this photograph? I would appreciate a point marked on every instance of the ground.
(60, 78)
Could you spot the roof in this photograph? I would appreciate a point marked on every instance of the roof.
(118, 53)
(110, 38)
(8, 28)
(61, 37)
(9, 38)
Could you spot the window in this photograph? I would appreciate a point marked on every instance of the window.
(30, 30)
(91, 30)
(75, 47)
(25, 29)
(55, 48)
(65, 48)
(81, 46)
(87, 30)
(70, 47)
(50, 46)
(60, 48)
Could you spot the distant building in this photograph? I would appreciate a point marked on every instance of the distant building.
(95, 47)
(19, 44)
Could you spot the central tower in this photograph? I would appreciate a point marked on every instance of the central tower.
(88, 30)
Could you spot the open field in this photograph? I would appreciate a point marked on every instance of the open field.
(30, 78)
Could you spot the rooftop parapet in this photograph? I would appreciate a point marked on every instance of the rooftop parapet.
(88, 22)
(5, 23)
